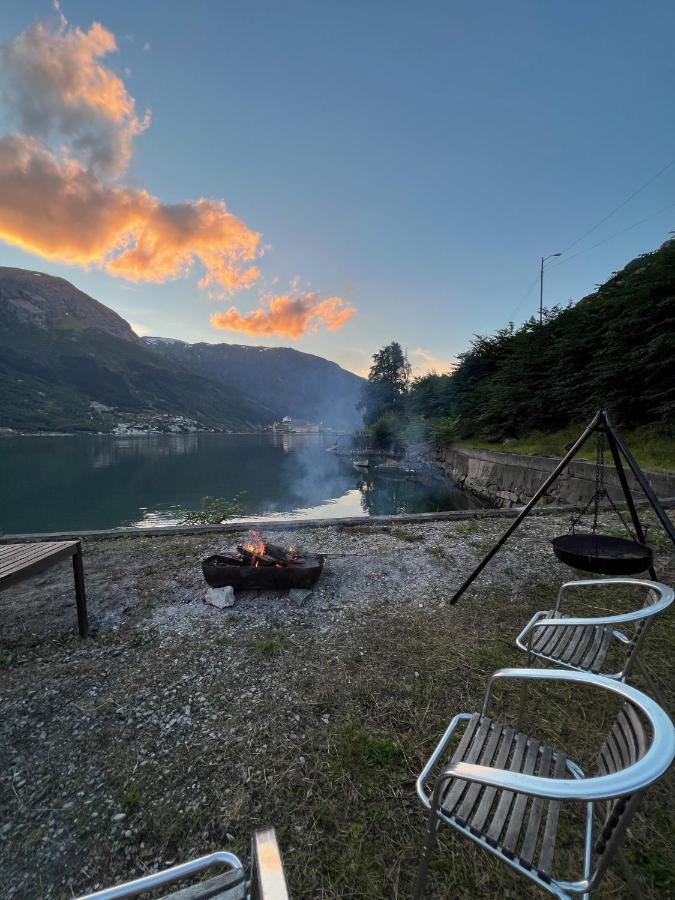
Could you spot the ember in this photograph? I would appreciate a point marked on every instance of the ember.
(257, 563)
(258, 553)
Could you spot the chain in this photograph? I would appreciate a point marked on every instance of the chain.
(600, 492)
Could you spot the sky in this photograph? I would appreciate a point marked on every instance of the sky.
(334, 176)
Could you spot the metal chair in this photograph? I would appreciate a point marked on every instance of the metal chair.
(583, 644)
(504, 790)
(267, 880)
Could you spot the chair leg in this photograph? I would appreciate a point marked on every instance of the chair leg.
(80, 595)
(524, 693)
(427, 853)
(636, 891)
(644, 671)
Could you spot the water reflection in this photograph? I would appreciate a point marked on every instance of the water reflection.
(89, 482)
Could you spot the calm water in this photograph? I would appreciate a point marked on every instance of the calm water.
(89, 482)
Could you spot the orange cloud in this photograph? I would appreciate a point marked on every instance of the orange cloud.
(287, 316)
(55, 207)
(62, 196)
(54, 86)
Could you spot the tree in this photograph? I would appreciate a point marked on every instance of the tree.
(387, 385)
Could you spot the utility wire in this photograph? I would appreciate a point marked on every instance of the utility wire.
(620, 206)
(524, 297)
(616, 234)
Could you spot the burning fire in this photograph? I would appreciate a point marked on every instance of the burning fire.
(257, 548)
(261, 552)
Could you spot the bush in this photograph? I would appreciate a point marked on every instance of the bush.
(444, 431)
(214, 511)
(384, 432)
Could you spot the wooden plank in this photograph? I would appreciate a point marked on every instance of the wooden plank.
(536, 810)
(501, 813)
(582, 646)
(478, 821)
(600, 656)
(551, 827)
(624, 741)
(474, 790)
(579, 637)
(638, 729)
(18, 556)
(471, 755)
(518, 812)
(20, 563)
(593, 649)
(36, 556)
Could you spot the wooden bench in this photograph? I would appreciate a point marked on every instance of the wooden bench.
(20, 561)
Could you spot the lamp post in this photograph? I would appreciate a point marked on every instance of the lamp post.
(541, 286)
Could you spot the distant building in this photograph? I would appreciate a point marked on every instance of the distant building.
(289, 426)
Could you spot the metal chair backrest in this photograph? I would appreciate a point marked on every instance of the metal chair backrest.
(626, 743)
(642, 626)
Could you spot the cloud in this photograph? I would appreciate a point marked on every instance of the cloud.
(140, 329)
(64, 198)
(423, 361)
(55, 87)
(286, 315)
(56, 207)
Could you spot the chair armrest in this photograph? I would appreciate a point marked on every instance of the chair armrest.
(166, 876)
(636, 777)
(665, 593)
(436, 755)
(644, 613)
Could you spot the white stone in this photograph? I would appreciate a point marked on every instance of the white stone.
(299, 595)
(220, 597)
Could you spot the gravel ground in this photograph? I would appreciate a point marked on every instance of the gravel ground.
(180, 728)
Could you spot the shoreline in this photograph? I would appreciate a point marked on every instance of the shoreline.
(360, 522)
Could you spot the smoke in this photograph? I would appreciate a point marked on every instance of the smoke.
(284, 315)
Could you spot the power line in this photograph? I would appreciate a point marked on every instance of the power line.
(620, 206)
(524, 297)
(616, 234)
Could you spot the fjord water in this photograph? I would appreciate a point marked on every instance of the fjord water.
(77, 483)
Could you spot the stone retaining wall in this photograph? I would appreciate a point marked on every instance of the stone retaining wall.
(511, 479)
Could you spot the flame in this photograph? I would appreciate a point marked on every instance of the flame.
(257, 548)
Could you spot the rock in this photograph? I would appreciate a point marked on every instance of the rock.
(220, 597)
(299, 595)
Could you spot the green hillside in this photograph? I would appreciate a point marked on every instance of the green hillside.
(613, 349)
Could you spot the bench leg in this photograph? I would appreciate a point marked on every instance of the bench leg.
(80, 596)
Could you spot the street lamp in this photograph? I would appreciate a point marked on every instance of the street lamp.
(541, 286)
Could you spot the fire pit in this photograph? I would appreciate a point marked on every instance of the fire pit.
(256, 565)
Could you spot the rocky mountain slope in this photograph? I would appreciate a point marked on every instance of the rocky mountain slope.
(69, 363)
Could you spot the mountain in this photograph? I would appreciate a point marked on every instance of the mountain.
(69, 363)
(286, 381)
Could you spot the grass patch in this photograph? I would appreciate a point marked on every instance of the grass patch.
(270, 645)
(358, 749)
(469, 528)
(651, 449)
(403, 534)
(436, 552)
(132, 797)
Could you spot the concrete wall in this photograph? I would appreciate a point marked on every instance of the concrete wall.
(511, 479)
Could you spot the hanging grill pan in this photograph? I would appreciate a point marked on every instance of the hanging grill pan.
(602, 554)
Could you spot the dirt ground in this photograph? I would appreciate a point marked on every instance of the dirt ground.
(178, 728)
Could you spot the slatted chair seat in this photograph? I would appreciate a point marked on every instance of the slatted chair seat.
(582, 646)
(505, 790)
(584, 643)
(519, 827)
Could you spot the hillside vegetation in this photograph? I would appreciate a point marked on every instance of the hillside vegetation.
(69, 363)
(613, 350)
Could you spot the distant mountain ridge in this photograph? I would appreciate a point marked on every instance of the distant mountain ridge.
(69, 363)
(283, 379)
